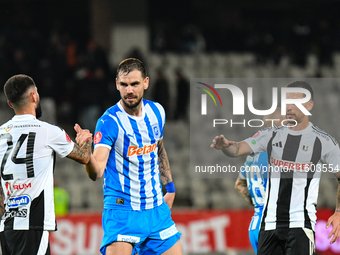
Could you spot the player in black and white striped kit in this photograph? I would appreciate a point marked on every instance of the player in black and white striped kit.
(27, 156)
(297, 153)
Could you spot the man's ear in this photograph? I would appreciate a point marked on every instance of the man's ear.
(146, 83)
(33, 96)
(117, 84)
(310, 105)
(10, 105)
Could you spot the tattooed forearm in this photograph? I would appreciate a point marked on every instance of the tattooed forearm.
(2, 201)
(81, 154)
(164, 165)
(242, 189)
(231, 151)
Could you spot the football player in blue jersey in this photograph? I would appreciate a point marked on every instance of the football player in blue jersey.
(252, 181)
(130, 156)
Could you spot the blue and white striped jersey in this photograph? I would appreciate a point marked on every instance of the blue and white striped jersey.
(131, 176)
(255, 171)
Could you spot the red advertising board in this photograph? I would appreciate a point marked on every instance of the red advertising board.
(203, 231)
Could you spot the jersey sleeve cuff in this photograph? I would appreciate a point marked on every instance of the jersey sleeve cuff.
(103, 145)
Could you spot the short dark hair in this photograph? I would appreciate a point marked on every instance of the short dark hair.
(130, 64)
(15, 88)
(304, 85)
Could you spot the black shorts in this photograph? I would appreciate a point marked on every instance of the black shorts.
(291, 241)
(24, 242)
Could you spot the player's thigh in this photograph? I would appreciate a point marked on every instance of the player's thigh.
(123, 226)
(119, 248)
(176, 249)
(164, 234)
(269, 243)
(23, 242)
(301, 241)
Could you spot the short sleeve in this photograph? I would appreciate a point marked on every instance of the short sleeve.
(59, 141)
(332, 158)
(258, 142)
(160, 114)
(106, 131)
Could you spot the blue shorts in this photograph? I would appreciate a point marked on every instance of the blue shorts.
(150, 231)
(254, 229)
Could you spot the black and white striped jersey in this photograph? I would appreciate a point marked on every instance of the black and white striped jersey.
(27, 156)
(297, 159)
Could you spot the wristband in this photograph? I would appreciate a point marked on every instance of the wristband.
(170, 187)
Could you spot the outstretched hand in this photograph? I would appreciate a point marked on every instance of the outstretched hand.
(82, 135)
(334, 220)
(220, 143)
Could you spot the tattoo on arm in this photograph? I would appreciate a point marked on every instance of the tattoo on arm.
(232, 150)
(242, 189)
(2, 201)
(164, 165)
(81, 154)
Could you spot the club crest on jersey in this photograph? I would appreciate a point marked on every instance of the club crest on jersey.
(156, 132)
(9, 127)
(305, 148)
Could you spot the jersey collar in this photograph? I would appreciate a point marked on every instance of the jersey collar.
(131, 116)
(24, 117)
(299, 132)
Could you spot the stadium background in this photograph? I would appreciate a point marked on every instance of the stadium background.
(71, 49)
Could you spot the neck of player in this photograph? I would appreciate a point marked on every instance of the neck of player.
(135, 111)
(301, 125)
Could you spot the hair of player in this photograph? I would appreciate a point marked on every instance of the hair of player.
(304, 85)
(130, 64)
(16, 87)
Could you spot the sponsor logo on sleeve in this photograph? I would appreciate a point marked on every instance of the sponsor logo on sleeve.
(67, 137)
(256, 135)
(128, 239)
(9, 127)
(97, 137)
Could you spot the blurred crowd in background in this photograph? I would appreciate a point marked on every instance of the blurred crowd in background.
(46, 41)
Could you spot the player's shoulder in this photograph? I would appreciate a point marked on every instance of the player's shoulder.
(265, 131)
(51, 128)
(110, 114)
(5, 127)
(153, 106)
(323, 135)
(273, 128)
